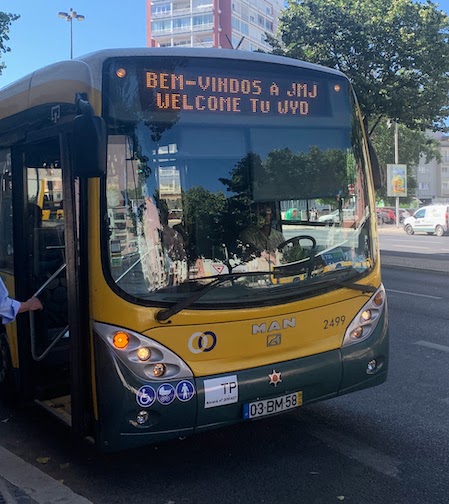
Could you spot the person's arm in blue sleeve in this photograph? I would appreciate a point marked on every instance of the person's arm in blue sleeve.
(9, 308)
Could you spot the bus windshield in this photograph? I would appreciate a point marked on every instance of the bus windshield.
(238, 168)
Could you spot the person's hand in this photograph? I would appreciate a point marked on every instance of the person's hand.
(35, 304)
(31, 304)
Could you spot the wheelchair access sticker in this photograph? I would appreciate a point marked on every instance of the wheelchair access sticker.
(146, 396)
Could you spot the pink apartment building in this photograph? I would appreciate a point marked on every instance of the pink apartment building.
(212, 23)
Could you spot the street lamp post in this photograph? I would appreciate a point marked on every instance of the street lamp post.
(396, 161)
(70, 16)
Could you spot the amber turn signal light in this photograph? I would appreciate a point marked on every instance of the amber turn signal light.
(120, 340)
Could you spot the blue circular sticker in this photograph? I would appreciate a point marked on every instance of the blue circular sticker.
(146, 396)
(166, 394)
(185, 391)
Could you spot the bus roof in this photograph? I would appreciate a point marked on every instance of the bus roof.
(96, 59)
(84, 73)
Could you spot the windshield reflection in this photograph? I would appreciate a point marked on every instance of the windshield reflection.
(182, 212)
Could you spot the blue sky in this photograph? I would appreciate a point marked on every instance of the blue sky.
(39, 37)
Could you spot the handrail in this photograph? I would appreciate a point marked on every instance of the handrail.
(31, 315)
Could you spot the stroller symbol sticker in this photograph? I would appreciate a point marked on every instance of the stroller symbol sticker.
(166, 394)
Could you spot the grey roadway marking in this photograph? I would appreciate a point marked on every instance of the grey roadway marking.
(413, 247)
(357, 450)
(413, 294)
(35, 483)
(434, 346)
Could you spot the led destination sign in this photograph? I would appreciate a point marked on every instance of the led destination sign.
(212, 93)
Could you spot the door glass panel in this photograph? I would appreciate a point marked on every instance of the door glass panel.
(45, 237)
(6, 236)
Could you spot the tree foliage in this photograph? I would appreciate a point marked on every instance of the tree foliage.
(5, 23)
(395, 52)
(413, 145)
(203, 216)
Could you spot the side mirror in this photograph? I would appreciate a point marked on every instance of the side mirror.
(89, 136)
(375, 167)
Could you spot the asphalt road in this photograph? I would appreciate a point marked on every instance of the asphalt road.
(389, 444)
(419, 251)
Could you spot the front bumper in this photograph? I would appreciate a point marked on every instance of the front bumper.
(218, 400)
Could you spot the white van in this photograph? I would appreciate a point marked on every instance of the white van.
(433, 219)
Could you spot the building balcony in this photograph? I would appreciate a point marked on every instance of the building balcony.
(202, 9)
(160, 15)
(199, 43)
(182, 29)
(203, 27)
(182, 12)
(159, 33)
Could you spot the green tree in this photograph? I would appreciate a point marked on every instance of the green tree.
(395, 52)
(203, 217)
(412, 146)
(323, 173)
(237, 215)
(5, 23)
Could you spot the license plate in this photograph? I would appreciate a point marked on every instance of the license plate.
(271, 406)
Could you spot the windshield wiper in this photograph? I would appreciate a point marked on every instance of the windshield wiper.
(166, 313)
(350, 272)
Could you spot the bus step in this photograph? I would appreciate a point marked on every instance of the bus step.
(60, 407)
(48, 391)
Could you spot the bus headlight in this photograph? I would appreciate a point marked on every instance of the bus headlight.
(146, 358)
(143, 353)
(366, 319)
(159, 370)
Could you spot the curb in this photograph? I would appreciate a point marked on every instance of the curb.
(21, 482)
(391, 230)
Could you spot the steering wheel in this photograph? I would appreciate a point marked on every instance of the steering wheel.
(310, 262)
(295, 241)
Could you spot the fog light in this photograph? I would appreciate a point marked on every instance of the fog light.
(372, 366)
(366, 315)
(142, 417)
(143, 353)
(357, 333)
(159, 370)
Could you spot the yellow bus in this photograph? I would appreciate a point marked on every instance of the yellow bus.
(177, 296)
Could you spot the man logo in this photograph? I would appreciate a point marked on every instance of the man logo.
(274, 339)
(202, 342)
(274, 326)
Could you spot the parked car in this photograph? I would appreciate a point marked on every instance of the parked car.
(404, 214)
(386, 215)
(348, 214)
(433, 219)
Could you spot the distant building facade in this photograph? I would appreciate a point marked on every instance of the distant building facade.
(433, 177)
(224, 24)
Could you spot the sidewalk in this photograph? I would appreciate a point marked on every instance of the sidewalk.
(11, 494)
(22, 483)
(390, 229)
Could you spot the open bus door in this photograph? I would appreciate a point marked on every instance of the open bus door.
(53, 350)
